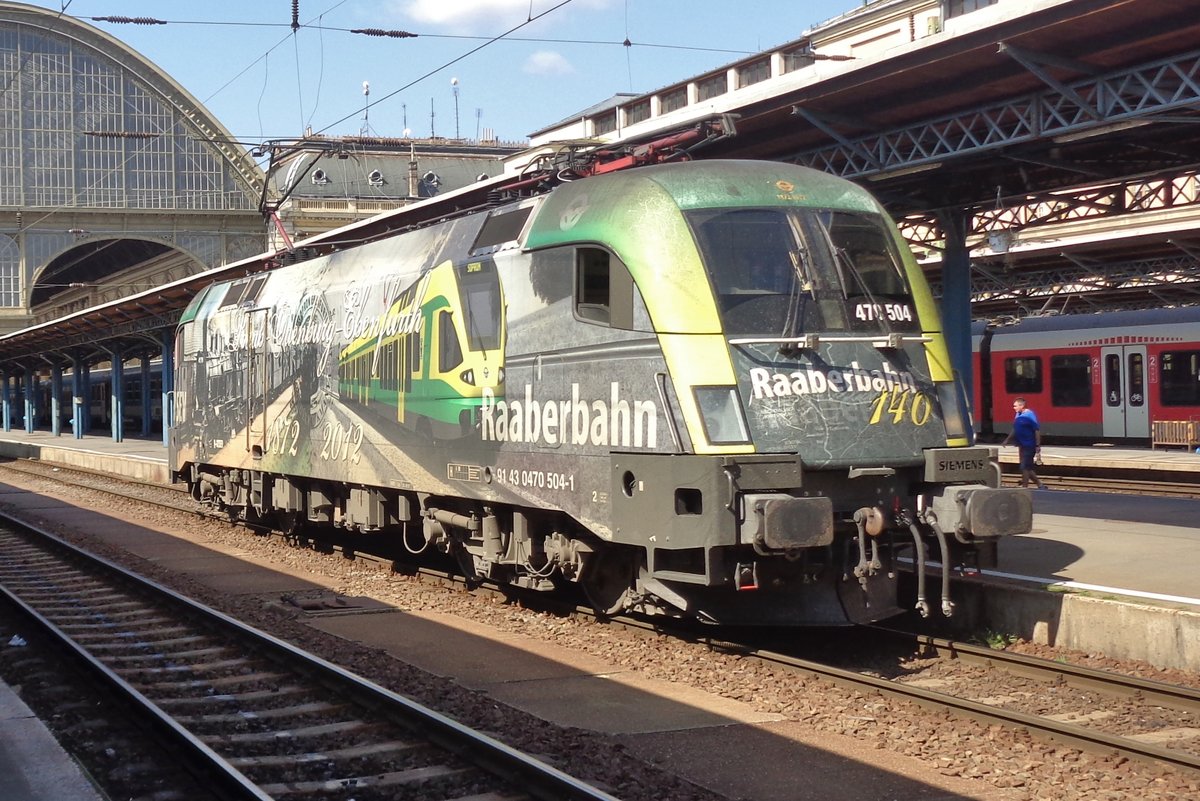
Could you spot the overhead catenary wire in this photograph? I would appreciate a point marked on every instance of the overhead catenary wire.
(313, 24)
(532, 18)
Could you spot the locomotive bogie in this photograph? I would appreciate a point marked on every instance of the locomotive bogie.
(711, 389)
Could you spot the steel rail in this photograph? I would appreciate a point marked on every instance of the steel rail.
(540, 780)
(1079, 676)
(231, 783)
(1115, 485)
(1065, 733)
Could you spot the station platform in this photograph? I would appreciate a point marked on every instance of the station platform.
(1099, 572)
(143, 459)
(33, 766)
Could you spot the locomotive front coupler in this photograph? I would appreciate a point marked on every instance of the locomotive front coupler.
(869, 521)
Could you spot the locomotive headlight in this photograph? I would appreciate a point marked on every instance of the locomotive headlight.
(468, 377)
(724, 423)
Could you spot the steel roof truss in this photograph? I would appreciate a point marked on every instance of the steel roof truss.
(1033, 62)
(1133, 93)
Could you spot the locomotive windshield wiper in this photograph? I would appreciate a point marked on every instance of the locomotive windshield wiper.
(793, 323)
(845, 265)
(797, 309)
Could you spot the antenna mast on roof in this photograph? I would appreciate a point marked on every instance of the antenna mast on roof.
(366, 124)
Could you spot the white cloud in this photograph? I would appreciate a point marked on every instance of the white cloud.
(479, 16)
(467, 15)
(547, 62)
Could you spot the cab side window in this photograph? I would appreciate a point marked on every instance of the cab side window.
(603, 289)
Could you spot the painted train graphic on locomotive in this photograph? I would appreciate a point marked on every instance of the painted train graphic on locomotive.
(715, 389)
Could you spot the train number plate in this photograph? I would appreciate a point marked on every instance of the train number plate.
(956, 464)
(464, 472)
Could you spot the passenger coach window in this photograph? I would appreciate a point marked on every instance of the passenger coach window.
(1071, 380)
(1179, 373)
(1023, 374)
(1137, 380)
(1112, 380)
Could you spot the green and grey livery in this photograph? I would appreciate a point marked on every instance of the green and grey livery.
(715, 389)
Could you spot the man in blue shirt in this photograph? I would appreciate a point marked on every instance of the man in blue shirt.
(1027, 433)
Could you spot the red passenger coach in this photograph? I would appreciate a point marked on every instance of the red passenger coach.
(1094, 377)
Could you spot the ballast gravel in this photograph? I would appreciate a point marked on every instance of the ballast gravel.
(1013, 764)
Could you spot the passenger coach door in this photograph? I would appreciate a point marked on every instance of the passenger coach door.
(1123, 375)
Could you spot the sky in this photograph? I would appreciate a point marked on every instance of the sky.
(509, 67)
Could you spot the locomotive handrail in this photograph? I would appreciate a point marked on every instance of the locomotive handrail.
(810, 341)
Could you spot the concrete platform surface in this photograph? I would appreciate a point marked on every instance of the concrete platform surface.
(33, 766)
(1103, 456)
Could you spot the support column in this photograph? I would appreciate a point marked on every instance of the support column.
(6, 402)
(31, 389)
(147, 410)
(117, 396)
(956, 297)
(56, 387)
(81, 414)
(168, 385)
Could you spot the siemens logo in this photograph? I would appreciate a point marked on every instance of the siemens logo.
(961, 465)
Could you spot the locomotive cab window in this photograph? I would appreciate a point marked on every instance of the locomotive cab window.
(1023, 375)
(783, 272)
(500, 227)
(244, 293)
(603, 289)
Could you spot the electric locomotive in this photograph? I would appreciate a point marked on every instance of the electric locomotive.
(715, 389)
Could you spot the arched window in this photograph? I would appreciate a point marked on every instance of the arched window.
(10, 272)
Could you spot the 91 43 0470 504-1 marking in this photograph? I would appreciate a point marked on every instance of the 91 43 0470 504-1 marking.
(535, 479)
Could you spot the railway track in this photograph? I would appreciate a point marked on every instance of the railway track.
(1084, 708)
(1096, 721)
(1124, 486)
(259, 718)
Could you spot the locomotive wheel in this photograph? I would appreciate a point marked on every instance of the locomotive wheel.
(293, 528)
(608, 579)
